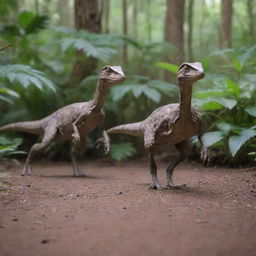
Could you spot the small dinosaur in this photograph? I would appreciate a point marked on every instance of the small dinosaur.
(72, 122)
(171, 124)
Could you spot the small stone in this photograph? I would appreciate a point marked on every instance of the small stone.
(15, 219)
(247, 180)
(60, 195)
(28, 185)
(45, 241)
(124, 208)
(66, 216)
(77, 195)
(120, 193)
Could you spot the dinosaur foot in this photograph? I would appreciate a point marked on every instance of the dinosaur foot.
(26, 172)
(155, 186)
(79, 174)
(172, 186)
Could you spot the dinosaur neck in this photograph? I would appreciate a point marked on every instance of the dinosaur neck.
(185, 99)
(99, 97)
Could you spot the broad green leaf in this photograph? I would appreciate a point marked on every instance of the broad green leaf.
(163, 86)
(233, 87)
(243, 58)
(236, 142)
(168, 66)
(222, 52)
(211, 138)
(25, 76)
(251, 111)
(120, 91)
(237, 65)
(153, 94)
(121, 151)
(209, 93)
(25, 18)
(226, 127)
(215, 103)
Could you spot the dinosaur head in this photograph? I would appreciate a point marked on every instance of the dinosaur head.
(190, 72)
(111, 75)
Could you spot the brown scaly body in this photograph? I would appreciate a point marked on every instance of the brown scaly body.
(171, 124)
(72, 122)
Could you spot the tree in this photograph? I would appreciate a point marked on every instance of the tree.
(226, 23)
(251, 16)
(125, 29)
(190, 29)
(174, 28)
(87, 17)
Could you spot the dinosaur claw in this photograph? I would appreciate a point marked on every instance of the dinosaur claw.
(156, 186)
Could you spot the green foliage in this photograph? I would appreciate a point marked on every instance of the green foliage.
(230, 106)
(8, 147)
(27, 23)
(121, 151)
(151, 89)
(25, 76)
(168, 66)
(99, 46)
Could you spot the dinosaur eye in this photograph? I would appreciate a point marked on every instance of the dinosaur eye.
(187, 68)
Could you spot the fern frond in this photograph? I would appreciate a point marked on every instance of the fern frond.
(25, 76)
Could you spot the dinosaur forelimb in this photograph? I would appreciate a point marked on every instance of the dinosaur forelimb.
(75, 135)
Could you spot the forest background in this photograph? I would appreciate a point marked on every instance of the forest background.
(52, 50)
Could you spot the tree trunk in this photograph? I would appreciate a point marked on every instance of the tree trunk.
(106, 20)
(190, 29)
(125, 30)
(226, 24)
(148, 17)
(64, 13)
(87, 17)
(251, 15)
(135, 19)
(174, 29)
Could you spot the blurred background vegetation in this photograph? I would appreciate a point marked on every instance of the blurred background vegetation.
(52, 50)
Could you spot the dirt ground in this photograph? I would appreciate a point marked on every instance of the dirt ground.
(113, 213)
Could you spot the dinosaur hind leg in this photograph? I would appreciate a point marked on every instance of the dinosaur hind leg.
(153, 170)
(74, 153)
(184, 149)
(48, 137)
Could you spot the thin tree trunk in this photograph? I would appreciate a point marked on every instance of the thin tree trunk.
(87, 17)
(226, 24)
(135, 19)
(125, 30)
(148, 17)
(106, 20)
(174, 29)
(64, 13)
(190, 29)
(251, 15)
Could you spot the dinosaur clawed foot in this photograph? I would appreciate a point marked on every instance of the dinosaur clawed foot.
(155, 186)
(79, 174)
(26, 171)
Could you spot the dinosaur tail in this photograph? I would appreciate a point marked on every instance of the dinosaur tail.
(30, 127)
(134, 129)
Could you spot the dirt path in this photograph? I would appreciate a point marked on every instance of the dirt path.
(113, 212)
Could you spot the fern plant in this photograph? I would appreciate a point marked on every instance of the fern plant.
(99, 46)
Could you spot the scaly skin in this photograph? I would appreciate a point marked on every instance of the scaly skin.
(171, 124)
(72, 122)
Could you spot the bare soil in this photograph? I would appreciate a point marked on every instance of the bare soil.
(113, 213)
